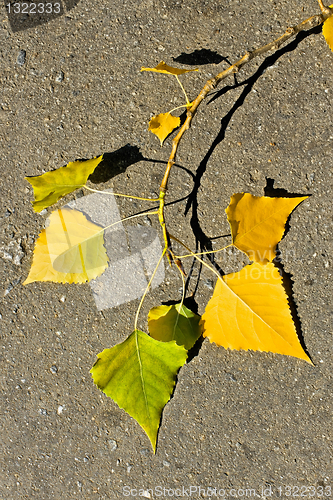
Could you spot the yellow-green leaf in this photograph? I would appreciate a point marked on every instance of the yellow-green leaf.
(51, 186)
(70, 250)
(162, 125)
(139, 375)
(162, 67)
(250, 310)
(328, 31)
(174, 322)
(258, 223)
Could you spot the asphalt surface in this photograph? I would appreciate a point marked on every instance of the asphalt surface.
(71, 88)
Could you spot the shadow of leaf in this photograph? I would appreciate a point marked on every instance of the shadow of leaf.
(116, 163)
(200, 57)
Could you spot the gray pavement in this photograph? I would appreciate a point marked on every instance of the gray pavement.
(71, 88)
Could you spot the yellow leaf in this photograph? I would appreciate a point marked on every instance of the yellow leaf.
(249, 310)
(328, 31)
(162, 125)
(51, 186)
(257, 223)
(70, 250)
(162, 67)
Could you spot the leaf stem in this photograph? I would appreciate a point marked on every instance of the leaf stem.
(178, 107)
(128, 218)
(119, 194)
(181, 305)
(146, 290)
(180, 83)
(183, 293)
(199, 253)
(196, 256)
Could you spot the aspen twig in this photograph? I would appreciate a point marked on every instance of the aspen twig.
(211, 84)
(327, 11)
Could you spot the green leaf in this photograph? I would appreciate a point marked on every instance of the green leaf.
(51, 186)
(139, 375)
(174, 322)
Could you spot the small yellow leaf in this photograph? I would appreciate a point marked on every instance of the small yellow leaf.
(51, 186)
(162, 125)
(250, 310)
(70, 250)
(328, 31)
(258, 223)
(162, 67)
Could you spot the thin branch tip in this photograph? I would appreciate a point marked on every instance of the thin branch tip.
(327, 11)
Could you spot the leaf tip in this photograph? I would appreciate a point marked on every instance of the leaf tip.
(153, 440)
(308, 359)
